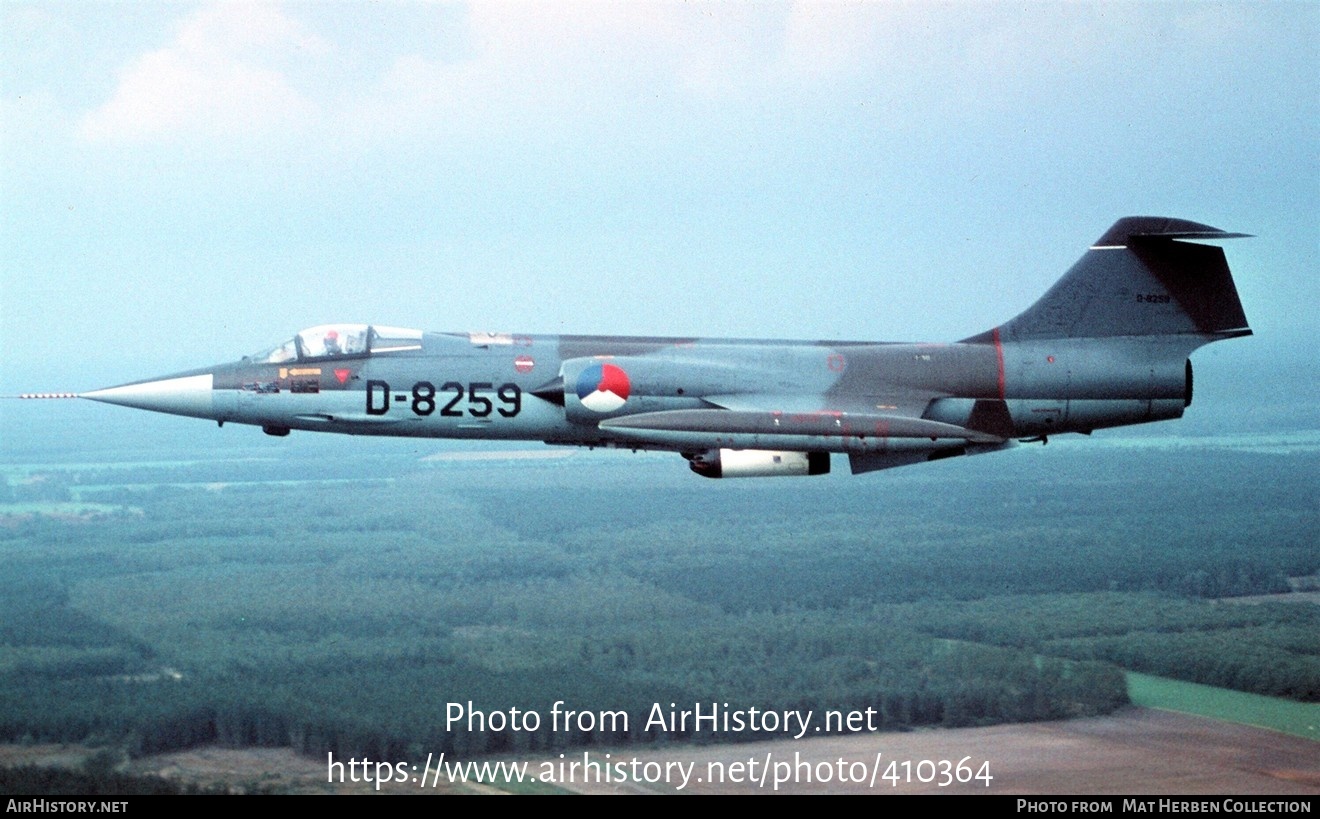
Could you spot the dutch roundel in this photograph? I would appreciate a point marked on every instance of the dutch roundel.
(603, 387)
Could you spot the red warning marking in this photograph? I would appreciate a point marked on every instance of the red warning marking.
(999, 362)
(835, 363)
(524, 363)
(342, 375)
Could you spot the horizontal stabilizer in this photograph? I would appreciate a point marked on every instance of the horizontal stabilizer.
(1160, 227)
(837, 424)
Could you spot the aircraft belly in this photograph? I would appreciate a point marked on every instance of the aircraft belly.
(1031, 417)
(297, 411)
(1088, 415)
(225, 403)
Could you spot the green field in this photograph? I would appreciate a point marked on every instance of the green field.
(1300, 719)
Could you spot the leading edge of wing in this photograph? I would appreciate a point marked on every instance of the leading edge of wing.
(826, 423)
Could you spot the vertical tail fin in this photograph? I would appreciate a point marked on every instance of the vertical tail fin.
(1139, 280)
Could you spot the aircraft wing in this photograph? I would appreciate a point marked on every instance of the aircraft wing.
(828, 423)
(769, 417)
(908, 403)
(892, 423)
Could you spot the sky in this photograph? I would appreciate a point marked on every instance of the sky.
(185, 183)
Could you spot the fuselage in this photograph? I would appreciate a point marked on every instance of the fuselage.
(524, 387)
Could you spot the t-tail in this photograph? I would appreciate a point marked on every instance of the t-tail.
(1108, 344)
(1139, 279)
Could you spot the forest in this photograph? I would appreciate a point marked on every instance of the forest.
(338, 599)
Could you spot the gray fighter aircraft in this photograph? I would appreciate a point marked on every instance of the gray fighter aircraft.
(1106, 346)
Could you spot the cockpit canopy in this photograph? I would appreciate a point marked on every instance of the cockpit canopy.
(341, 341)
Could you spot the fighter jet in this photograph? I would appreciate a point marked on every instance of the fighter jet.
(1106, 346)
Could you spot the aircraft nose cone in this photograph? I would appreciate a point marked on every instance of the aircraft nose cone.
(185, 395)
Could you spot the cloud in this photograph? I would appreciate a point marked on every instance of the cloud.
(241, 70)
(540, 72)
(226, 75)
(575, 71)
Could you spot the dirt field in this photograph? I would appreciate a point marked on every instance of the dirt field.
(1137, 751)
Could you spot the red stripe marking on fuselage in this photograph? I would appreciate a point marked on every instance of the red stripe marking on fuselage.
(999, 362)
